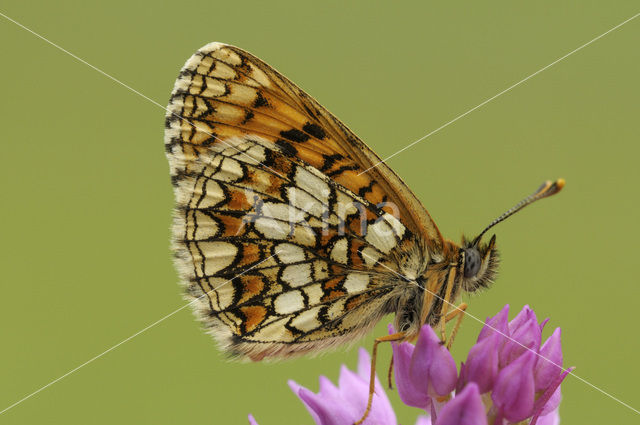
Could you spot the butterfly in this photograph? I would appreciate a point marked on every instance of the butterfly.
(290, 235)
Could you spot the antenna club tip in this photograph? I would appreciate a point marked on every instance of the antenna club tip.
(560, 183)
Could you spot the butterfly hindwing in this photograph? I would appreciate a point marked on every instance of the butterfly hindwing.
(285, 247)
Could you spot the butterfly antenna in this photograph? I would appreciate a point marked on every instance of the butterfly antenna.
(548, 188)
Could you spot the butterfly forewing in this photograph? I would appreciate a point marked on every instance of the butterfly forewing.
(286, 247)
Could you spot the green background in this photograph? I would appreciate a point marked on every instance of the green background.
(86, 198)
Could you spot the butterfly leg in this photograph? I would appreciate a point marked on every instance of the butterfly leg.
(445, 304)
(372, 378)
(390, 374)
(459, 312)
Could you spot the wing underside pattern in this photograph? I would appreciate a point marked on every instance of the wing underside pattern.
(286, 249)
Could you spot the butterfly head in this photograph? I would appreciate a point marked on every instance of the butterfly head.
(480, 264)
(480, 259)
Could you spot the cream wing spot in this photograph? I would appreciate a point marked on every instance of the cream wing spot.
(398, 227)
(214, 88)
(257, 153)
(289, 253)
(274, 331)
(282, 212)
(204, 65)
(213, 195)
(230, 171)
(229, 113)
(317, 223)
(356, 282)
(304, 235)
(241, 94)
(234, 147)
(246, 149)
(218, 255)
(220, 51)
(223, 71)
(221, 292)
(200, 226)
(259, 76)
(336, 309)
(289, 302)
(201, 106)
(272, 229)
(306, 202)
(188, 105)
(199, 125)
(312, 184)
(339, 251)
(344, 206)
(320, 270)
(307, 320)
(297, 275)
(314, 293)
(370, 255)
(381, 235)
(196, 85)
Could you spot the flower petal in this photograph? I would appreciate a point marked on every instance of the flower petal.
(432, 367)
(327, 411)
(409, 394)
(482, 363)
(364, 364)
(364, 369)
(550, 364)
(295, 387)
(354, 391)
(513, 392)
(462, 378)
(553, 402)
(465, 408)
(525, 335)
(354, 394)
(543, 323)
(551, 397)
(327, 389)
(499, 323)
(346, 403)
(552, 418)
(423, 420)
(524, 316)
(252, 420)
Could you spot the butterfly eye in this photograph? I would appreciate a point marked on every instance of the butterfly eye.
(472, 262)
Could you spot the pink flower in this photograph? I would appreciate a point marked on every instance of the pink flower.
(509, 377)
(514, 393)
(509, 362)
(520, 375)
(345, 404)
(466, 408)
(424, 371)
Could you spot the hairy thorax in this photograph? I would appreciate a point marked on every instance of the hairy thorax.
(422, 285)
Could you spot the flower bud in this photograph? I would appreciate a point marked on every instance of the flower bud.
(549, 365)
(482, 363)
(514, 392)
(465, 408)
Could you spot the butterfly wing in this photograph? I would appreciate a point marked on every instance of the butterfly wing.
(283, 245)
